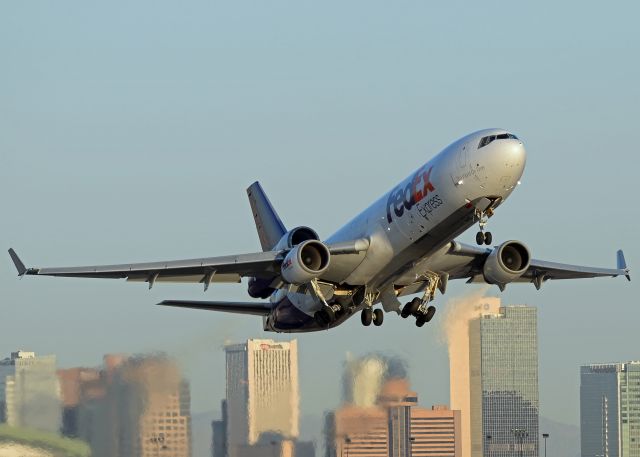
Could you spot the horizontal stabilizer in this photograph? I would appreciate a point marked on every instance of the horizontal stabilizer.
(255, 308)
(17, 262)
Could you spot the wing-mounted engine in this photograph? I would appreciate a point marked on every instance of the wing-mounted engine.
(261, 287)
(506, 263)
(306, 261)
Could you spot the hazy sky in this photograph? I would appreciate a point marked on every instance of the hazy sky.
(130, 130)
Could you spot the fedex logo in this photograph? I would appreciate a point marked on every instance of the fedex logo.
(405, 198)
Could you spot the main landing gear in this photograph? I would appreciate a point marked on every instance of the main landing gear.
(375, 316)
(419, 307)
(483, 237)
(327, 314)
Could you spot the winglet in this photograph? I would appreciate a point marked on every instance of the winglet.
(622, 264)
(17, 262)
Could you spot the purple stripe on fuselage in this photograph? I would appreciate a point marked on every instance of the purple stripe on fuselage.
(287, 317)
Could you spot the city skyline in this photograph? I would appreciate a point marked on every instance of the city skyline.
(389, 371)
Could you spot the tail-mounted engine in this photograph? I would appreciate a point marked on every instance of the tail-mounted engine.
(294, 237)
(506, 263)
(306, 261)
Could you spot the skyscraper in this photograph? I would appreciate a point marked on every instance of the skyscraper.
(455, 322)
(219, 433)
(262, 392)
(503, 361)
(29, 392)
(610, 410)
(134, 406)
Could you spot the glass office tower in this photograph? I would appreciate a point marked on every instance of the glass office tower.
(610, 410)
(503, 360)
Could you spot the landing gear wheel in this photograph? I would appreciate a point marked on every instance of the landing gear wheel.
(378, 317)
(410, 308)
(431, 310)
(480, 238)
(488, 238)
(420, 321)
(366, 316)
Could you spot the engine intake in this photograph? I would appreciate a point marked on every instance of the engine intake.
(506, 263)
(306, 261)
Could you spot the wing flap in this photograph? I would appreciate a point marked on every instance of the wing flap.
(258, 309)
(217, 278)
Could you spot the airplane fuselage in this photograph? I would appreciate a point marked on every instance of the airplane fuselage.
(412, 223)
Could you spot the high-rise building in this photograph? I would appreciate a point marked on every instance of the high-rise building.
(29, 392)
(455, 323)
(219, 434)
(133, 406)
(394, 427)
(610, 410)
(262, 392)
(503, 361)
(77, 386)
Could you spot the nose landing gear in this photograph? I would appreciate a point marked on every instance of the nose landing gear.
(369, 316)
(483, 237)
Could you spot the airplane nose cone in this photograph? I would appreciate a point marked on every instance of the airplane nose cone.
(505, 161)
(515, 156)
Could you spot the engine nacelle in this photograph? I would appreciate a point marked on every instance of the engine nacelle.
(296, 236)
(260, 287)
(306, 261)
(506, 263)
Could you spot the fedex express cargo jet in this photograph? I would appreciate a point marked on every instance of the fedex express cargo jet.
(403, 244)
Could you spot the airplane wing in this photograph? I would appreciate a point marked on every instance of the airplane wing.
(203, 270)
(255, 308)
(538, 272)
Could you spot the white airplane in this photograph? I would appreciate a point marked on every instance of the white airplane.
(403, 244)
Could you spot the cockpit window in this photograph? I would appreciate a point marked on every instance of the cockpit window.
(488, 139)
